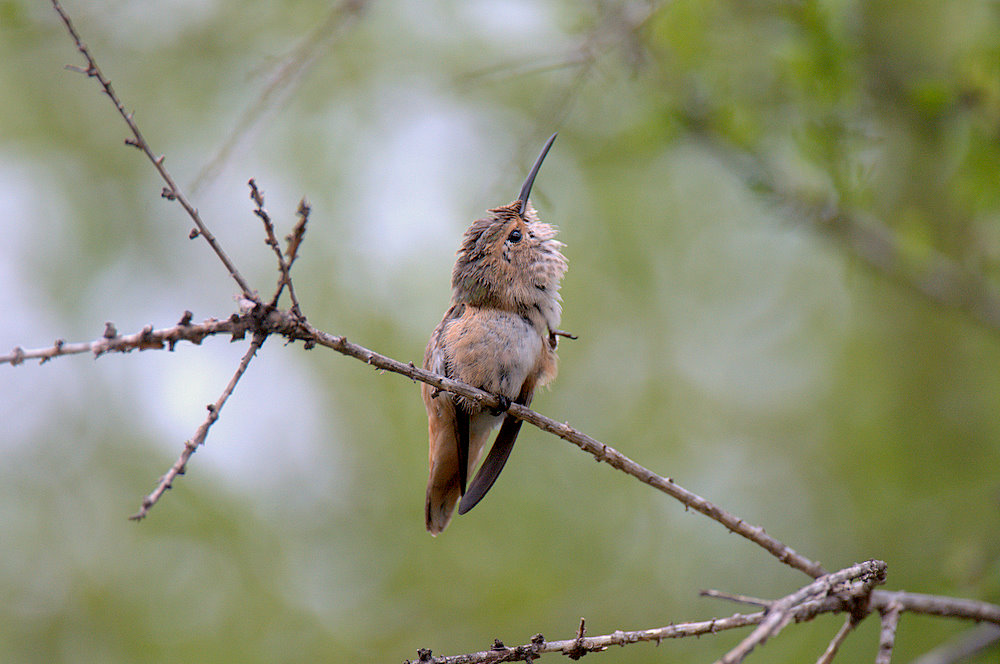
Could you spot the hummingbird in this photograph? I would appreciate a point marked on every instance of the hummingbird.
(500, 334)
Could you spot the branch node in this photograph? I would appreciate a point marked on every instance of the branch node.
(185, 319)
(109, 330)
(18, 358)
(424, 654)
(194, 233)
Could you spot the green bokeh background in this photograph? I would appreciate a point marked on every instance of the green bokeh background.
(725, 340)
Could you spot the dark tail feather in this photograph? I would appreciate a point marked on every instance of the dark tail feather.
(462, 431)
(493, 464)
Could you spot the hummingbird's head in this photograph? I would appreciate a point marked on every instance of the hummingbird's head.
(510, 259)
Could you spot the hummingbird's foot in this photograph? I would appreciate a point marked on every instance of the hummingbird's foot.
(502, 408)
(554, 337)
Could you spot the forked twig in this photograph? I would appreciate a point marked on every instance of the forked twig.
(294, 240)
(780, 614)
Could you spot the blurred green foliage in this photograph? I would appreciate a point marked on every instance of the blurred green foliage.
(724, 341)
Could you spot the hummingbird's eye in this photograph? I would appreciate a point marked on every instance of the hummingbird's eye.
(514, 237)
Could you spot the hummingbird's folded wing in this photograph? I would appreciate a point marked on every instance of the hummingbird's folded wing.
(493, 464)
(497, 458)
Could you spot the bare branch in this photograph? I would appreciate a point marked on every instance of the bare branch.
(599, 450)
(840, 600)
(935, 605)
(887, 636)
(581, 644)
(733, 597)
(171, 191)
(198, 439)
(837, 640)
(780, 613)
(146, 339)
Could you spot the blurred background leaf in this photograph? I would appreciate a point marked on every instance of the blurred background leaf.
(723, 340)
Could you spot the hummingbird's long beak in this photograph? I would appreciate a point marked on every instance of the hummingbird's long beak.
(526, 187)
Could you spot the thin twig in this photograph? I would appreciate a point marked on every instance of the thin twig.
(171, 191)
(780, 614)
(733, 597)
(887, 635)
(198, 439)
(836, 641)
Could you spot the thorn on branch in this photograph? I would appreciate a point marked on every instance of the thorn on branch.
(186, 318)
(133, 143)
(168, 194)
